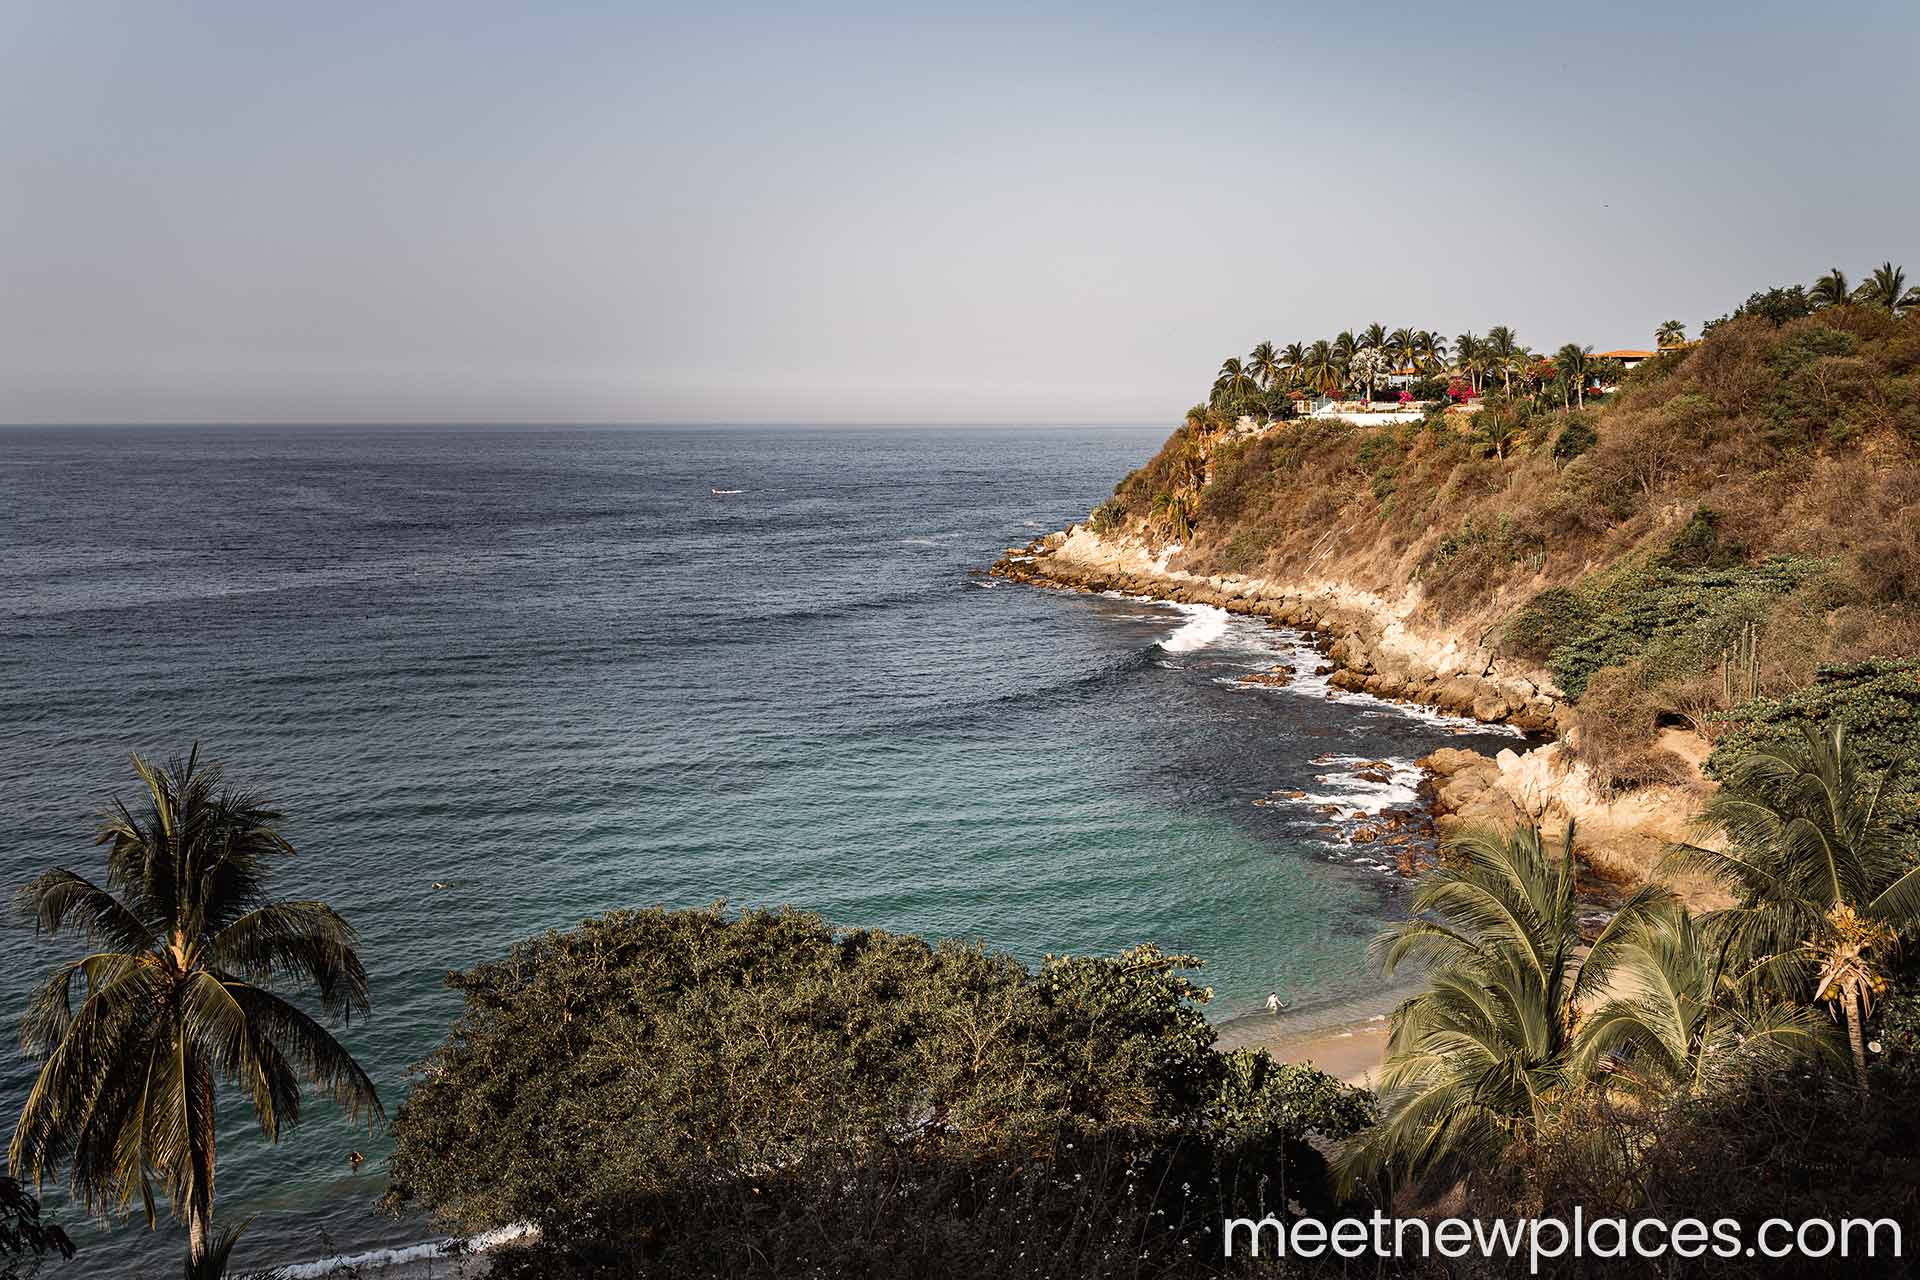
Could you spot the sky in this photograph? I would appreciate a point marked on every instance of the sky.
(874, 213)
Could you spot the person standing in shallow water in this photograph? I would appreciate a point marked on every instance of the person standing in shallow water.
(1274, 1003)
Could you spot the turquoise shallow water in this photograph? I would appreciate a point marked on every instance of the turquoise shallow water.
(551, 670)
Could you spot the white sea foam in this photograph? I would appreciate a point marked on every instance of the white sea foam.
(1205, 624)
(1306, 662)
(1347, 788)
(347, 1264)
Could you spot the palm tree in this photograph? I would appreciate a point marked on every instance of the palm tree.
(1263, 362)
(1683, 1018)
(1481, 1055)
(1830, 290)
(1671, 333)
(1233, 383)
(1292, 358)
(1466, 350)
(1822, 887)
(1175, 512)
(1344, 347)
(1885, 288)
(1431, 349)
(1404, 347)
(1321, 369)
(1571, 362)
(1503, 351)
(1373, 337)
(175, 995)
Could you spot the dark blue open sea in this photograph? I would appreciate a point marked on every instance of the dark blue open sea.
(550, 670)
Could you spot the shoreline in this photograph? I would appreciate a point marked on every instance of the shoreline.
(1372, 645)
(1367, 639)
(1348, 1042)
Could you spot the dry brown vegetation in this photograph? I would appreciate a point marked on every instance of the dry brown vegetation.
(1763, 487)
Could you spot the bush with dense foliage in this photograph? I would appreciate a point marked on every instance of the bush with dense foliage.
(701, 1093)
(1879, 703)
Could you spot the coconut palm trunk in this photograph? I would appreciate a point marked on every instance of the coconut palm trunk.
(1856, 1039)
(200, 1131)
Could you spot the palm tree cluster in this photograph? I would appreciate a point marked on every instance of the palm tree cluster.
(1358, 361)
(175, 996)
(1521, 1017)
(1885, 287)
(1363, 363)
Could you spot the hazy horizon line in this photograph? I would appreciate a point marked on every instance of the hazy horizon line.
(562, 423)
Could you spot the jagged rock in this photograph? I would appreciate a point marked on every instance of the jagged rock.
(1491, 706)
(1365, 835)
(1449, 760)
(1273, 678)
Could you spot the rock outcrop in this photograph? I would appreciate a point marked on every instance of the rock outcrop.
(1371, 642)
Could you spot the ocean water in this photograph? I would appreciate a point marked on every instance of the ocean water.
(503, 679)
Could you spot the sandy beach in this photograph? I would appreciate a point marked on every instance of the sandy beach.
(1353, 1055)
(1349, 1050)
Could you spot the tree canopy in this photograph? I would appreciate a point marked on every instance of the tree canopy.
(683, 1090)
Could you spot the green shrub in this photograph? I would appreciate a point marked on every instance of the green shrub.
(1675, 619)
(1698, 545)
(1574, 439)
(1554, 617)
(1109, 516)
(1879, 702)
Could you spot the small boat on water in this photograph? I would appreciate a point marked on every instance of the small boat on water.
(721, 493)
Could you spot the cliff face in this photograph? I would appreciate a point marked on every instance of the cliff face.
(1378, 642)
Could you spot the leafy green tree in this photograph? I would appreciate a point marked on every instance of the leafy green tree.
(1830, 290)
(1824, 891)
(177, 995)
(1480, 1056)
(1671, 333)
(673, 1091)
(1776, 306)
(1368, 368)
